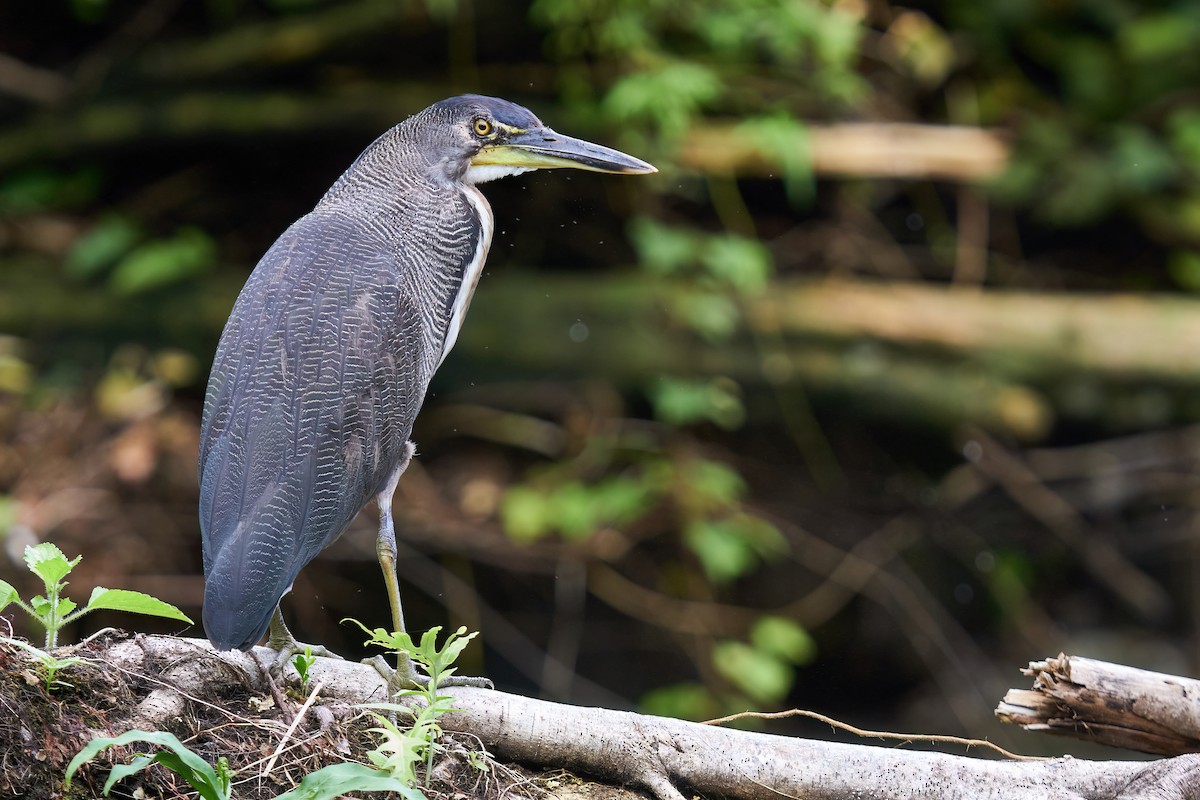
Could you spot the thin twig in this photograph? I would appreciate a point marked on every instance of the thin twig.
(903, 737)
(292, 728)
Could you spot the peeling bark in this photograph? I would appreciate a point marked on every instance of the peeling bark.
(1108, 703)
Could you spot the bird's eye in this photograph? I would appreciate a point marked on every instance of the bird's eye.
(483, 127)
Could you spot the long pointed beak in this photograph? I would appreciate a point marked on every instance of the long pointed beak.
(543, 148)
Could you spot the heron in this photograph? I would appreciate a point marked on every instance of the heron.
(328, 352)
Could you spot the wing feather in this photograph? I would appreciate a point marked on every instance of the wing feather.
(317, 380)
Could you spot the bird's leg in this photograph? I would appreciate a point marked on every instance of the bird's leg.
(405, 675)
(280, 639)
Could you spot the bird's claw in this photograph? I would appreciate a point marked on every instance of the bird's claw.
(286, 652)
(407, 678)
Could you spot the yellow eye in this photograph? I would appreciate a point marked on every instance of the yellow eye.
(483, 127)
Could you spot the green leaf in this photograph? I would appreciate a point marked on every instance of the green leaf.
(719, 485)
(335, 780)
(663, 249)
(65, 606)
(179, 758)
(163, 262)
(134, 603)
(745, 264)
(685, 402)
(48, 562)
(525, 512)
(723, 553)
(690, 701)
(669, 97)
(8, 595)
(760, 675)
(95, 251)
(783, 638)
(575, 516)
(712, 314)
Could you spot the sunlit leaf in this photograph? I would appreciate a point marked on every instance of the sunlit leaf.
(718, 484)
(8, 595)
(783, 638)
(48, 562)
(134, 603)
(760, 675)
(163, 262)
(723, 553)
(714, 315)
(526, 513)
(690, 701)
(664, 249)
(744, 263)
(112, 237)
(668, 97)
(685, 402)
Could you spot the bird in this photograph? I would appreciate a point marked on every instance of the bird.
(329, 349)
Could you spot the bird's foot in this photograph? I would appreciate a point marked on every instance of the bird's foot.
(284, 655)
(406, 678)
(286, 648)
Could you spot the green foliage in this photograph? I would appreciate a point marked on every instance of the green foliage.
(303, 662)
(98, 249)
(212, 784)
(733, 546)
(1099, 129)
(52, 611)
(50, 664)
(334, 781)
(668, 97)
(738, 263)
(117, 247)
(1184, 268)
(190, 252)
(706, 496)
(784, 140)
(572, 509)
(764, 668)
(395, 759)
(686, 700)
(686, 402)
(437, 662)
(400, 751)
(41, 189)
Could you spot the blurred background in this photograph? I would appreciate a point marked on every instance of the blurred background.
(884, 386)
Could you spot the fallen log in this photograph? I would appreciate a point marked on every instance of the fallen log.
(662, 756)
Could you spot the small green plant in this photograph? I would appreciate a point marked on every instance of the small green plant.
(212, 784)
(303, 662)
(399, 752)
(53, 611)
(395, 759)
(50, 664)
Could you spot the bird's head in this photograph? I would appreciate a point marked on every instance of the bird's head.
(476, 139)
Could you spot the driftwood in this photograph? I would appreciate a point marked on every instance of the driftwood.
(665, 756)
(1004, 360)
(1108, 703)
(858, 150)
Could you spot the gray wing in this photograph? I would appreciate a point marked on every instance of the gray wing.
(318, 377)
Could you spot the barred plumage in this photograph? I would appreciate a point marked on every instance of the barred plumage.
(331, 345)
